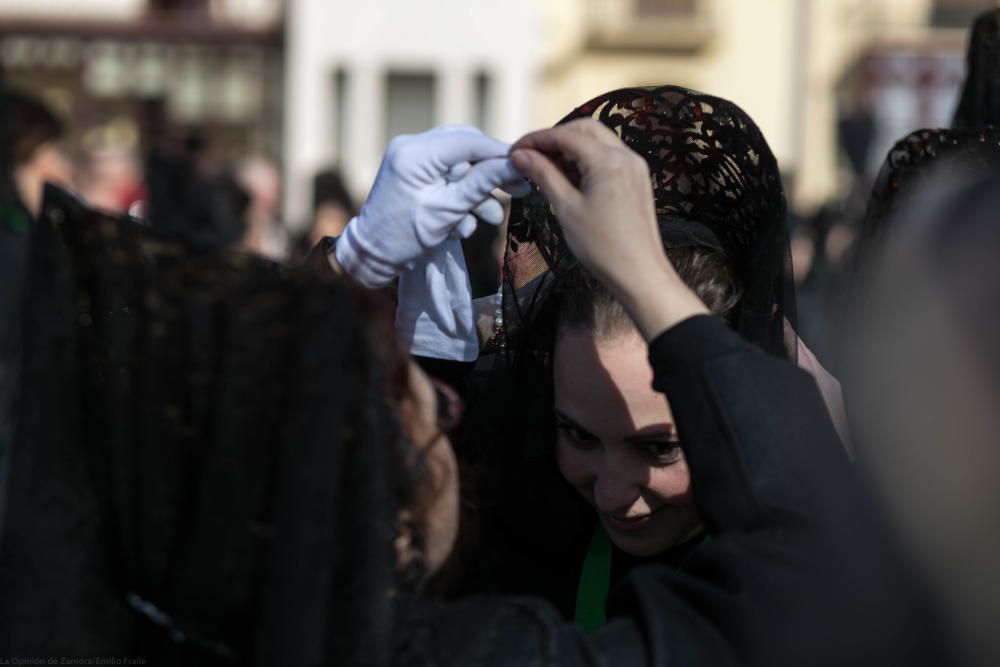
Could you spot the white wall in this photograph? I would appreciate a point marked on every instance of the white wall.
(454, 39)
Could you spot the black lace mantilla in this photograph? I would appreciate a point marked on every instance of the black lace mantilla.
(716, 183)
(915, 156)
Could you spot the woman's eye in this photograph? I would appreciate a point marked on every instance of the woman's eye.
(666, 451)
(577, 436)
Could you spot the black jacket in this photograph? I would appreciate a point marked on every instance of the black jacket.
(13, 250)
(798, 571)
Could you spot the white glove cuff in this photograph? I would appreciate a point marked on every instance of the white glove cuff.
(360, 262)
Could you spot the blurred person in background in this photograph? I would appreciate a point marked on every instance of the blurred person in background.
(190, 192)
(923, 373)
(265, 234)
(111, 177)
(32, 156)
(111, 180)
(849, 234)
(821, 246)
(972, 143)
(36, 156)
(332, 208)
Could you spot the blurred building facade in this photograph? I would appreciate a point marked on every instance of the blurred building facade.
(799, 67)
(361, 73)
(315, 83)
(831, 82)
(111, 68)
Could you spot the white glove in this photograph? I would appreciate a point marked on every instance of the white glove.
(434, 316)
(414, 206)
(490, 211)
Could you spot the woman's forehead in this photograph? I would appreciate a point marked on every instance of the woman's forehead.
(605, 384)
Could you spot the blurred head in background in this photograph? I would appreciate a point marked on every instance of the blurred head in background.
(332, 206)
(259, 178)
(112, 178)
(36, 152)
(924, 373)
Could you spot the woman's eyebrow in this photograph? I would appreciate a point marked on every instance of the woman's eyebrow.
(665, 431)
(561, 416)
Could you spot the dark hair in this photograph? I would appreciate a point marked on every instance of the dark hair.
(586, 304)
(31, 125)
(329, 188)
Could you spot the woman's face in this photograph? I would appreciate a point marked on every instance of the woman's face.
(616, 441)
(437, 515)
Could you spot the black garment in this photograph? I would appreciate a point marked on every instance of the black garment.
(184, 199)
(909, 167)
(13, 252)
(925, 367)
(797, 572)
(186, 477)
(14, 223)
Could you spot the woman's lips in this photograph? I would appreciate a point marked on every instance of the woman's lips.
(629, 524)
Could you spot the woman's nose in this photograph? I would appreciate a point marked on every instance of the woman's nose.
(618, 483)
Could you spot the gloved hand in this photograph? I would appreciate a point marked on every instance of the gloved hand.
(434, 316)
(426, 190)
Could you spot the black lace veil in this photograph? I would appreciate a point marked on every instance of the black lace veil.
(204, 466)
(716, 185)
(971, 144)
(908, 164)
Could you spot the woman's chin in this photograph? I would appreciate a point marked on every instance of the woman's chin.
(649, 538)
(642, 543)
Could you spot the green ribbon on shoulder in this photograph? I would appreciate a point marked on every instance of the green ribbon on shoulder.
(15, 218)
(595, 581)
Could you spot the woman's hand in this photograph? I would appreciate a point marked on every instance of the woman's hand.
(600, 191)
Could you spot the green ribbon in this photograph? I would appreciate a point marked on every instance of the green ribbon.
(15, 218)
(595, 581)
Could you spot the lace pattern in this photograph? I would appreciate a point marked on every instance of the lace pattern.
(716, 183)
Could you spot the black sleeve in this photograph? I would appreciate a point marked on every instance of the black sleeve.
(517, 632)
(761, 446)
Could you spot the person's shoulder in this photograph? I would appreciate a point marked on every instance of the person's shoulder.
(485, 630)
